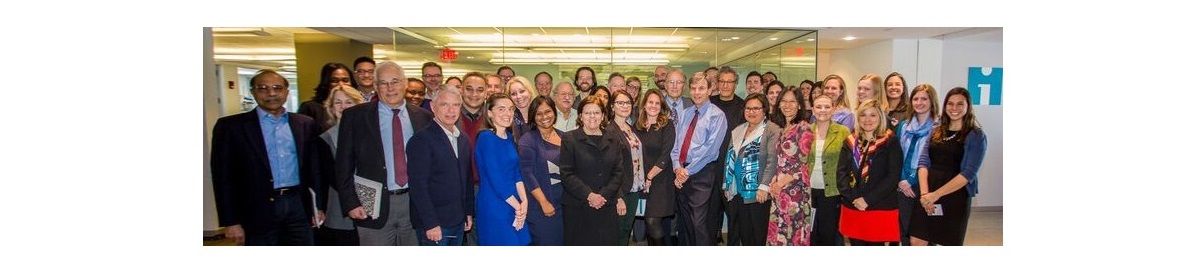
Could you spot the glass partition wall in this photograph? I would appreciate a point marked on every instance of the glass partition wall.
(632, 51)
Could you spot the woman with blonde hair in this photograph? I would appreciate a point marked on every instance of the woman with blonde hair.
(822, 164)
(842, 112)
(338, 230)
(867, 178)
(521, 91)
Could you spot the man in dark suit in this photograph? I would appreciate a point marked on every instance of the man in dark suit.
(371, 147)
(264, 167)
(442, 193)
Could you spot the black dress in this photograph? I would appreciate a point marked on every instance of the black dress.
(657, 145)
(945, 157)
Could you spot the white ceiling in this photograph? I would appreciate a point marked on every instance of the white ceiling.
(675, 45)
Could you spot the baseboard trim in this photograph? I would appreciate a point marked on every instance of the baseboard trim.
(212, 235)
(987, 208)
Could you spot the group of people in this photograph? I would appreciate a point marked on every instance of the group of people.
(377, 158)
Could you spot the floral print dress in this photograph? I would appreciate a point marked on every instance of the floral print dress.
(790, 216)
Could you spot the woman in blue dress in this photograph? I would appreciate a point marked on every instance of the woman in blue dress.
(501, 204)
(539, 150)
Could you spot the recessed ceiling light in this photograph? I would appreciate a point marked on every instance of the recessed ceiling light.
(773, 39)
(811, 40)
(469, 57)
(726, 40)
(736, 38)
(849, 38)
(702, 52)
(697, 38)
(536, 34)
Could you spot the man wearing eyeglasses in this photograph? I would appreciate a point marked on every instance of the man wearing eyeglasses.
(364, 71)
(733, 107)
(371, 150)
(567, 117)
(432, 79)
(265, 170)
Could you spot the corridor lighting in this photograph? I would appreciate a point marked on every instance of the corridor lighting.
(849, 38)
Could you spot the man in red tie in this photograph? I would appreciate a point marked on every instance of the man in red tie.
(701, 130)
(371, 150)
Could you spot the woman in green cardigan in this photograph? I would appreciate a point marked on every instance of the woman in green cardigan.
(825, 158)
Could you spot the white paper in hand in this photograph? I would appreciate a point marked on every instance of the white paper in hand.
(938, 211)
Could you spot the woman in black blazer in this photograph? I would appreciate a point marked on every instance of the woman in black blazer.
(592, 167)
(871, 161)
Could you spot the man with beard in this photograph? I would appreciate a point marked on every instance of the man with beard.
(584, 81)
(659, 77)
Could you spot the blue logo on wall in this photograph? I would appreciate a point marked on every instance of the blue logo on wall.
(985, 84)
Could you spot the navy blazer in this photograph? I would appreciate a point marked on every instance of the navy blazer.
(360, 152)
(241, 177)
(442, 193)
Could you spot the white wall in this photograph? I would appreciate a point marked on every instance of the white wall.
(852, 64)
(211, 113)
(979, 50)
(942, 62)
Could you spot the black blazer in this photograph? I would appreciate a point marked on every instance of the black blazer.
(241, 178)
(442, 193)
(880, 190)
(593, 167)
(360, 152)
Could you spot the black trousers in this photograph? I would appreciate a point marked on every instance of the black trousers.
(292, 225)
(747, 222)
(694, 201)
(826, 231)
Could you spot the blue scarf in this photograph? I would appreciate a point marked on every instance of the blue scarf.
(913, 140)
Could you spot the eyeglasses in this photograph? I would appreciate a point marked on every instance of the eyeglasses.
(364, 71)
(264, 88)
(754, 108)
(433, 76)
(674, 81)
(623, 103)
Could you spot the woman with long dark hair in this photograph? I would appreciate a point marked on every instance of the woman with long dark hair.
(502, 203)
(948, 174)
(331, 75)
(539, 160)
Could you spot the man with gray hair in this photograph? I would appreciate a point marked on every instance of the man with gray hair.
(371, 151)
(442, 193)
